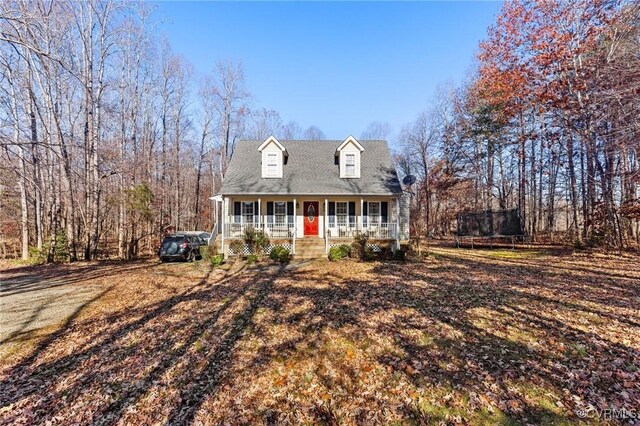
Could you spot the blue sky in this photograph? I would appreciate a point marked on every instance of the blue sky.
(338, 66)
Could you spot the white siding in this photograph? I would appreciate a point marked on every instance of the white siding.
(272, 148)
(350, 148)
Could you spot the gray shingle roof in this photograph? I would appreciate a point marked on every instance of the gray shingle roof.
(311, 169)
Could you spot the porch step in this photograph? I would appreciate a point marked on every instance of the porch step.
(310, 248)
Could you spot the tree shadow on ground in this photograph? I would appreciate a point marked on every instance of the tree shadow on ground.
(457, 340)
(134, 350)
(33, 278)
(536, 345)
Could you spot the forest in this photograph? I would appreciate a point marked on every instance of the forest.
(548, 123)
(108, 137)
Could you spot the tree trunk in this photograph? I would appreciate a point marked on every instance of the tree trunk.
(573, 190)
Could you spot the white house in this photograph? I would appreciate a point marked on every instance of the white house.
(311, 195)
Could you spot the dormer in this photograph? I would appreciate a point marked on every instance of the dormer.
(273, 154)
(349, 153)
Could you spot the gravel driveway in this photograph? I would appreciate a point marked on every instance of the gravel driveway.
(34, 299)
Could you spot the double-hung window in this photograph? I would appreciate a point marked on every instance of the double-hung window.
(280, 212)
(374, 213)
(272, 164)
(342, 212)
(350, 165)
(247, 212)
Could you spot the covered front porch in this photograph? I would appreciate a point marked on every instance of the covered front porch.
(329, 220)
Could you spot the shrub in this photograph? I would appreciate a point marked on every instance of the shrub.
(251, 259)
(61, 249)
(359, 246)
(280, 254)
(60, 252)
(207, 252)
(237, 246)
(257, 241)
(355, 251)
(216, 260)
(262, 242)
(38, 256)
(409, 251)
(345, 249)
(369, 254)
(400, 254)
(361, 238)
(335, 254)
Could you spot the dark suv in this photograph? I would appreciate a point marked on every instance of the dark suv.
(180, 247)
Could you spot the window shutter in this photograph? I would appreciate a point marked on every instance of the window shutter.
(289, 211)
(384, 211)
(269, 211)
(236, 212)
(365, 213)
(352, 212)
(332, 214)
(255, 212)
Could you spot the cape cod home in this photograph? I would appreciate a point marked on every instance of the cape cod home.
(311, 195)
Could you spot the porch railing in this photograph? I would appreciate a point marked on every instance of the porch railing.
(273, 230)
(278, 230)
(383, 231)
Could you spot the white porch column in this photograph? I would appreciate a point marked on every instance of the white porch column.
(397, 223)
(260, 224)
(361, 213)
(326, 234)
(295, 226)
(225, 206)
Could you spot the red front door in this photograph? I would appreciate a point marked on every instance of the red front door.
(310, 217)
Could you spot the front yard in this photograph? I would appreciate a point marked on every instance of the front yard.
(467, 336)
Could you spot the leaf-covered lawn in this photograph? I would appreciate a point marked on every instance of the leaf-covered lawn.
(479, 337)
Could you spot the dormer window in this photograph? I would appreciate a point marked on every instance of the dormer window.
(350, 165)
(273, 154)
(272, 164)
(349, 155)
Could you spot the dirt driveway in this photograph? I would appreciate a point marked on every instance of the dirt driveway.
(28, 303)
(34, 300)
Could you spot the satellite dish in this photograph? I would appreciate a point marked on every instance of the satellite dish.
(409, 180)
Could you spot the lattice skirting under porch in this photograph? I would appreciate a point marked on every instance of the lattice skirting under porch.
(374, 247)
(245, 249)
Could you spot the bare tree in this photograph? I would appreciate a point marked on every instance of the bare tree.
(264, 123)
(291, 131)
(313, 133)
(231, 105)
(377, 130)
